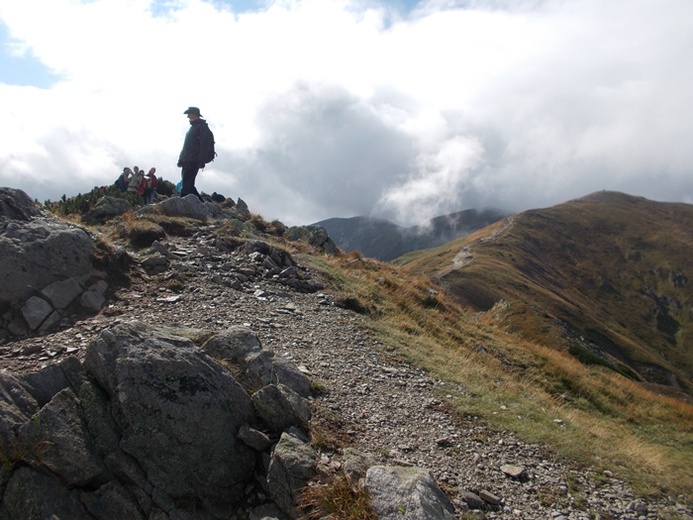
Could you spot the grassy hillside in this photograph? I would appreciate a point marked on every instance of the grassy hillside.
(605, 277)
(588, 413)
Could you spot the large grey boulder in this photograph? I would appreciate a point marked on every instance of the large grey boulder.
(107, 207)
(37, 253)
(256, 367)
(62, 293)
(17, 205)
(112, 501)
(94, 298)
(189, 206)
(35, 310)
(403, 493)
(45, 263)
(179, 413)
(47, 382)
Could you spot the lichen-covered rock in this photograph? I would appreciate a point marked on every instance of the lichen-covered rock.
(179, 413)
(107, 207)
(189, 206)
(292, 465)
(37, 253)
(404, 493)
(257, 367)
(57, 439)
(281, 408)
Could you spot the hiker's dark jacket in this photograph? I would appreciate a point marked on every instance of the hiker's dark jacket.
(198, 144)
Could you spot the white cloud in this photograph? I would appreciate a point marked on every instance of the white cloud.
(438, 182)
(340, 108)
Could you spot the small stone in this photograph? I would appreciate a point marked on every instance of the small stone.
(444, 442)
(639, 507)
(31, 349)
(473, 500)
(489, 497)
(170, 299)
(516, 472)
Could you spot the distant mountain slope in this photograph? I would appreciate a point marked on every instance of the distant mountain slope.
(607, 276)
(384, 240)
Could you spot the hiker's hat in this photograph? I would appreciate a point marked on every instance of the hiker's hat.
(193, 110)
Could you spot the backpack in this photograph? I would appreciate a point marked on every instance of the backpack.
(120, 183)
(212, 153)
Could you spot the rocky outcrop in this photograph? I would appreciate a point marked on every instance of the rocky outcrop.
(107, 207)
(151, 424)
(256, 367)
(238, 264)
(316, 236)
(46, 268)
(276, 263)
(390, 411)
(192, 207)
(189, 206)
(37, 253)
(17, 205)
(47, 271)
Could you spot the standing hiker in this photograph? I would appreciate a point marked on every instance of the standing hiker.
(198, 144)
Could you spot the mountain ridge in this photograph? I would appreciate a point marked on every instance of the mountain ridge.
(606, 273)
(384, 240)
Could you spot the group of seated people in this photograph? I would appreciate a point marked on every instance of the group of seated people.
(136, 181)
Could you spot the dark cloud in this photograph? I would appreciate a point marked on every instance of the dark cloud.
(329, 149)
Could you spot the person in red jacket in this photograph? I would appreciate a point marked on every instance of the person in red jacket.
(151, 182)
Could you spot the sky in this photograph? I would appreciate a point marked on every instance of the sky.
(401, 110)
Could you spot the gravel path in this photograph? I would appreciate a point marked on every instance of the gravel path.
(384, 407)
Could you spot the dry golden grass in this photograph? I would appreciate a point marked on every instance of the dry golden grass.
(337, 499)
(589, 414)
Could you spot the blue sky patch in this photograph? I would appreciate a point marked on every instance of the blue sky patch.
(24, 70)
